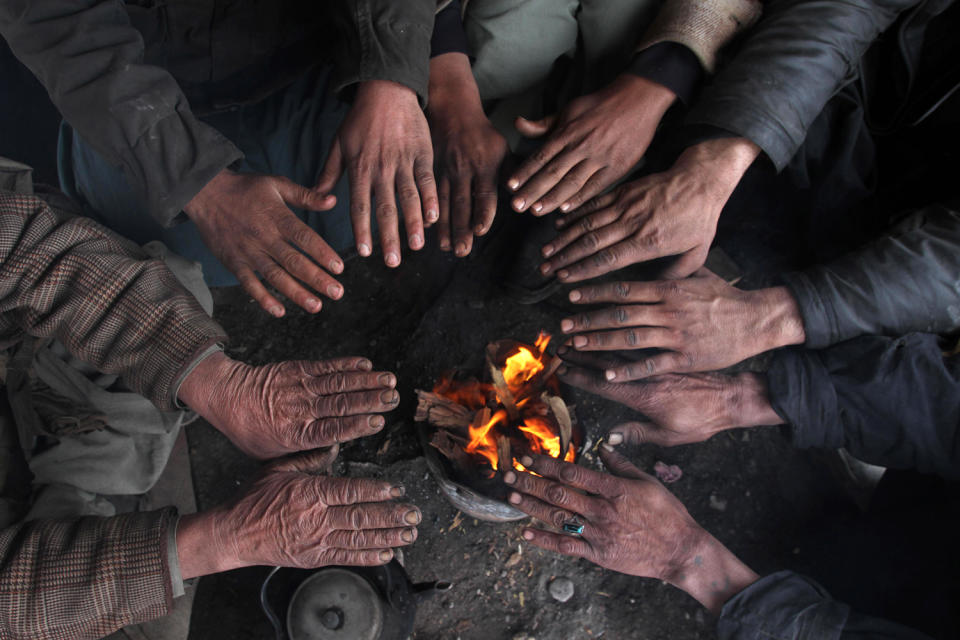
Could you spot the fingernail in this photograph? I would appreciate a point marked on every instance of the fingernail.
(579, 341)
(518, 204)
(606, 447)
(313, 303)
(432, 215)
(376, 422)
(416, 241)
(566, 325)
(563, 274)
(513, 184)
(527, 534)
(515, 498)
(526, 461)
(562, 349)
(610, 374)
(365, 365)
(565, 207)
(575, 295)
(510, 477)
(363, 249)
(408, 535)
(478, 229)
(385, 556)
(537, 206)
(276, 311)
(392, 259)
(444, 245)
(563, 370)
(397, 491)
(336, 266)
(412, 517)
(387, 379)
(389, 397)
(334, 291)
(548, 250)
(461, 248)
(615, 438)
(545, 268)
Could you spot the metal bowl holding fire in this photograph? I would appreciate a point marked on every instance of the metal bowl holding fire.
(472, 431)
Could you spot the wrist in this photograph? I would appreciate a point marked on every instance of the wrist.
(198, 389)
(210, 193)
(453, 95)
(721, 162)
(711, 573)
(780, 314)
(748, 403)
(200, 545)
(644, 92)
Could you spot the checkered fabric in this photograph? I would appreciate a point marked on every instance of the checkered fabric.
(84, 578)
(100, 295)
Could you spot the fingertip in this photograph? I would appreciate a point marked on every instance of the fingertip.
(397, 491)
(579, 342)
(432, 216)
(364, 249)
(312, 305)
(392, 260)
(526, 461)
(513, 184)
(566, 325)
(515, 498)
(565, 207)
(385, 555)
(518, 204)
(334, 291)
(335, 266)
(376, 423)
(610, 374)
(528, 534)
(276, 310)
(364, 365)
(416, 242)
(575, 296)
(613, 440)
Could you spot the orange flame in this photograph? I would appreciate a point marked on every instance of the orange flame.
(482, 442)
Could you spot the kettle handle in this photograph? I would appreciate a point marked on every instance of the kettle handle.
(278, 627)
(424, 590)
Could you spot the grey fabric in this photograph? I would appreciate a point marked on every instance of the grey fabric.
(15, 176)
(908, 280)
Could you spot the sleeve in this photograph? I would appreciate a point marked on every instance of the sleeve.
(906, 281)
(448, 34)
(788, 606)
(892, 402)
(671, 65)
(85, 578)
(384, 40)
(101, 296)
(90, 60)
(796, 58)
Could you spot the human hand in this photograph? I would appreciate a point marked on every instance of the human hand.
(673, 213)
(468, 152)
(284, 407)
(591, 144)
(676, 409)
(631, 524)
(246, 222)
(293, 516)
(703, 322)
(384, 146)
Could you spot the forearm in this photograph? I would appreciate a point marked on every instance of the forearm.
(452, 89)
(198, 546)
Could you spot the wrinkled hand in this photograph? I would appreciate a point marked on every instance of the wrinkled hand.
(593, 143)
(676, 409)
(284, 407)
(384, 146)
(293, 517)
(468, 152)
(704, 323)
(673, 213)
(246, 221)
(631, 524)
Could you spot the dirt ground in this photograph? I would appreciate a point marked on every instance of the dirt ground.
(751, 490)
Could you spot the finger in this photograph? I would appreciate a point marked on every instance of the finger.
(301, 197)
(539, 509)
(618, 292)
(591, 206)
(647, 366)
(571, 475)
(286, 284)
(344, 492)
(593, 187)
(620, 466)
(571, 183)
(306, 271)
(409, 198)
(623, 339)
(252, 285)
(460, 216)
(342, 382)
(567, 545)
(321, 367)
(634, 433)
(427, 184)
(685, 264)
(604, 261)
(373, 515)
(585, 225)
(387, 222)
(484, 202)
(356, 557)
(610, 318)
(546, 178)
(301, 235)
(553, 493)
(328, 431)
(596, 384)
(531, 167)
(535, 128)
(357, 403)
(360, 190)
(373, 538)
(443, 225)
(598, 360)
(586, 248)
(311, 462)
(332, 169)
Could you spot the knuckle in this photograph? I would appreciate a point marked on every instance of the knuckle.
(622, 289)
(591, 241)
(557, 495)
(341, 404)
(632, 338)
(408, 192)
(620, 315)
(605, 258)
(568, 546)
(558, 517)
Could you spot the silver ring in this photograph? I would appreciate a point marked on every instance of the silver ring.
(574, 527)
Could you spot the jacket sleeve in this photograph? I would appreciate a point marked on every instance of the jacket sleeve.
(906, 281)
(85, 578)
(788, 606)
(796, 58)
(100, 295)
(384, 40)
(889, 401)
(90, 60)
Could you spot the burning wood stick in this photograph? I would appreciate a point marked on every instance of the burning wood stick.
(451, 447)
(504, 454)
(443, 412)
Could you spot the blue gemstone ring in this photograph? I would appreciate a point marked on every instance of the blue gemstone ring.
(573, 527)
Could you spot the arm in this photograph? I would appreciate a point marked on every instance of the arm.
(795, 59)
(90, 59)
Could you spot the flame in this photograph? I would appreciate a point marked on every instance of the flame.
(522, 366)
(482, 442)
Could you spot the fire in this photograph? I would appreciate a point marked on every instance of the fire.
(532, 430)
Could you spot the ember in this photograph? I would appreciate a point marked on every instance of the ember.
(520, 412)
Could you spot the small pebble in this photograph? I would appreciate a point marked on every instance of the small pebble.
(717, 503)
(561, 589)
(475, 303)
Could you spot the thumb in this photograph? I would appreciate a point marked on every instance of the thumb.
(316, 463)
(297, 195)
(535, 128)
(619, 465)
(332, 169)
